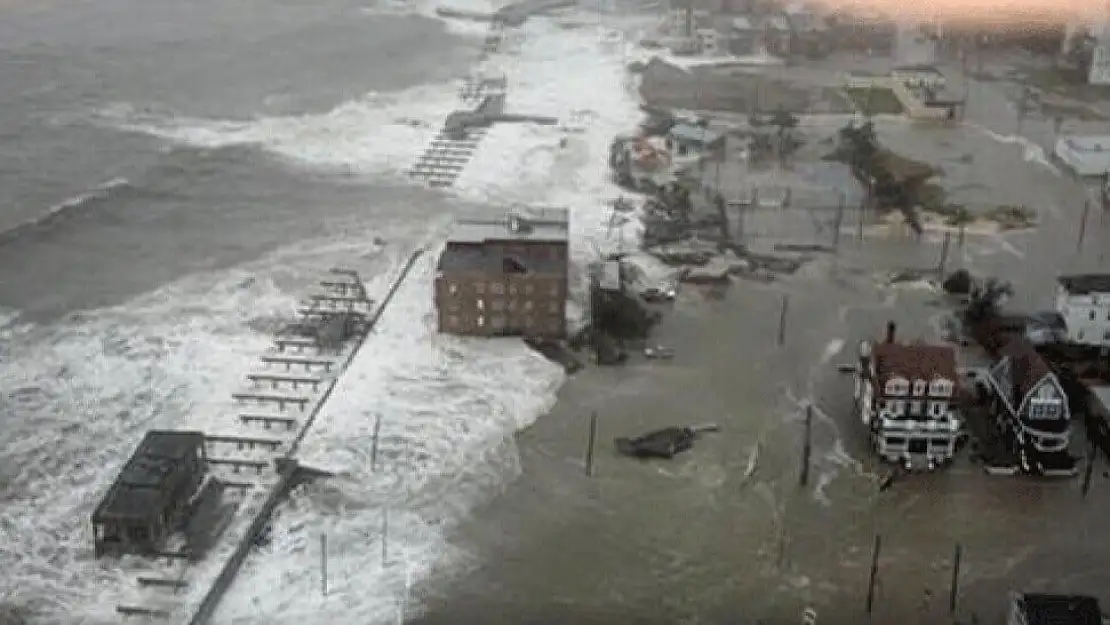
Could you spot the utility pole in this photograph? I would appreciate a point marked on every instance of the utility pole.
(591, 445)
(872, 578)
(954, 589)
(1083, 225)
(1022, 108)
(374, 443)
(324, 564)
(782, 319)
(385, 536)
(807, 447)
(839, 220)
(942, 265)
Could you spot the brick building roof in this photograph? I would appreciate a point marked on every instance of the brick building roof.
(914, 361)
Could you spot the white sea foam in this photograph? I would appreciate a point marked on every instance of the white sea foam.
(375, 134)
(1031, 152)
(448, 408)
(78, 396)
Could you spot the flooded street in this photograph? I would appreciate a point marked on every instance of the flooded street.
(725, 533)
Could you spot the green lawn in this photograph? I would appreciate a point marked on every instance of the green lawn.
(874, 100)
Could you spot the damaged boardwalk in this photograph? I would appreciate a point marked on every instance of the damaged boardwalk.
(251, 463)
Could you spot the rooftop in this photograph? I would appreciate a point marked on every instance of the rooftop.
(136, 491)
(914, 361)
(1088, 143)
(1085, 284)
(1027, 366)
(694, 133)
(1101, 395)
(1043, 609)
(520, 223)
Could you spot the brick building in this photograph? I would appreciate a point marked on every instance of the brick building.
(505, 274)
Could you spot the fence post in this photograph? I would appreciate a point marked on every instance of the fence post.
(782, 319)
(590, 445)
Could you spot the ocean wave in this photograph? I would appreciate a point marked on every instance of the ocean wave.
(65, 209)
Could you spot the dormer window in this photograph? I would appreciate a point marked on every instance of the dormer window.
(940, 388)
(919, 387)
(897, 386)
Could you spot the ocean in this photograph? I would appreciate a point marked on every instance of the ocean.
(173, 177)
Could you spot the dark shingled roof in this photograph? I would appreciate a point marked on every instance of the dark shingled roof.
(1027, 366)
(136, 492)
(915, 361)
(1084, 284)
(1043, 609)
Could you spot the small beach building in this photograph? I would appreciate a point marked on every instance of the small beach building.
(1085, 155)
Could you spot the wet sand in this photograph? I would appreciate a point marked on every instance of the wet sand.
(725, 533)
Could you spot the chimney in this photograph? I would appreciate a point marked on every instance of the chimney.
(891, 330)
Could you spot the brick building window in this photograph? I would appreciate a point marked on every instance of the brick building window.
(480, 304)
(479, 287)
(481, 321)
(453, 288)
(498, 304)
(497, 288)
(513, 304)
(528, 305)
(512, 289)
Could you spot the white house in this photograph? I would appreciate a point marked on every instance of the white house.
(905, 394)
(1086, 155)
(1083, 300)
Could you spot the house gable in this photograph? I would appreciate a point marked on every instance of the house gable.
(1047, 388)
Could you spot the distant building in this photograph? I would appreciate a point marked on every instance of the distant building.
(1085, 155)
(686, 139)
(505, 274)
(1045, 609)
(776, 35)
(1031, 408)
(905, 394)
(151, 494)
(743, 36)
(916, 76)
(1084, 303)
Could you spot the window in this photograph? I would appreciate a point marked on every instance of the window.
(1106, 336)
(498, 304)
(497, 288)
(1092, 315)
(498, 322)
(481, 321)
(528, 305)
(917, 407)
(479, 287)
(453, 288)
(480, 304)
(940, 388)
(512, 304)
(937, 409)
(513, 289)
(919, 387)
(897, 386)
